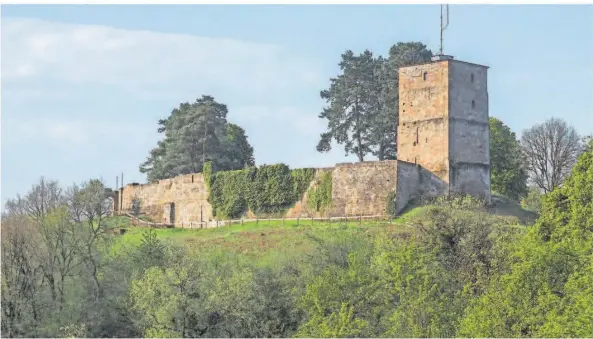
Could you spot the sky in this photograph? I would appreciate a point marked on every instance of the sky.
(83, 86)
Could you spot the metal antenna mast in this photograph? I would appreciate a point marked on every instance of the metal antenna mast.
(444, 25)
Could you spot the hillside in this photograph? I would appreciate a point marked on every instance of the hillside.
(270, 237)
(450, 268)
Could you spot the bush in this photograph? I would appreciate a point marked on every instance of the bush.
(391, 207)
(533, 201)
(267, 189)
(320, 196)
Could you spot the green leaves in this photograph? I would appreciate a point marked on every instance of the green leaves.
(263, 190)
(508, 173)
(194, 134)
(320, 196)
(545, 289)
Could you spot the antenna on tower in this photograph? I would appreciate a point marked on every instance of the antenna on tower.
(444, 25)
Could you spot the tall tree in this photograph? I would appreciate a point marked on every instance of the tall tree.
(362, 111)
(194, 134)
(350, 109)
(509, 176)
(551, 150)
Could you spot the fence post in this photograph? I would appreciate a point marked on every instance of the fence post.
(241, 221)
(216, 223)
(297, 221)
(311, 221)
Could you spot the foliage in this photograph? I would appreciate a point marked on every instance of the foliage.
(537, 295)
(508, 173)
(459, 201)
(194, 134)
(390, 203)
(447, 270)
(362, 100)
(320, 196)
(266, 189)
(533, 200)
(301, 178)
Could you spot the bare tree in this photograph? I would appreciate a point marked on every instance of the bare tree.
(551, 150)
(42, 199)
(21, 275)
(89, 205)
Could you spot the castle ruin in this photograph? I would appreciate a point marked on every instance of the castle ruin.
(443, 147)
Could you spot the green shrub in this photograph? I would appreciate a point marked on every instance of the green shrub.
(533, 201)
(391, 209)
(320, 196)
(263, 190)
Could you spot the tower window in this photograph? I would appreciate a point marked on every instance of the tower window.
(425, 76)
(472, 77)
(473, 104)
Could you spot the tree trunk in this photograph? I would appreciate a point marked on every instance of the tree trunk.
(52, 287)
(381, 153)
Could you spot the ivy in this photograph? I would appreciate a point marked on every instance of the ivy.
(320, 196)
(264, 190)
(391, 207)
(301, 179)
(228, 192)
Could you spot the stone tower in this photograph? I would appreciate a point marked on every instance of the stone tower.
(443, 123)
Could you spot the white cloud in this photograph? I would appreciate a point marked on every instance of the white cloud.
(70, 133)
(77, 93)
(126, 59)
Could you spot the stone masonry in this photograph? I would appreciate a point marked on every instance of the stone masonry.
(443, 124)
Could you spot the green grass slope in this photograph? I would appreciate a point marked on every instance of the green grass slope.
(268, 238)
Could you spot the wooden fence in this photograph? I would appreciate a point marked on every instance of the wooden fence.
(222, 223)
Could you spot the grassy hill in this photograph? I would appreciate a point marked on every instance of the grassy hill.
(270, 238)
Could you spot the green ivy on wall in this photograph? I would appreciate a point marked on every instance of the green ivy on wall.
(320, 196)
(263, 190)
(391, 207)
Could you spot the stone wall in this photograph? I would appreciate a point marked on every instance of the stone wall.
(469, 132)
(357, 189)
(362, 188)
(473, 179)
(301, 208)
(423, 129)
(408, 182)
(187, 193)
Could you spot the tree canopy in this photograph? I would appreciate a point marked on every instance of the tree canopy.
(508, 173)
(194, 134)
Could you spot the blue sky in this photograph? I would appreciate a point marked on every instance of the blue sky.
(83, 86)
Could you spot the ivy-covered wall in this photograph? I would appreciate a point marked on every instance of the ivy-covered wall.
(268, 191)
